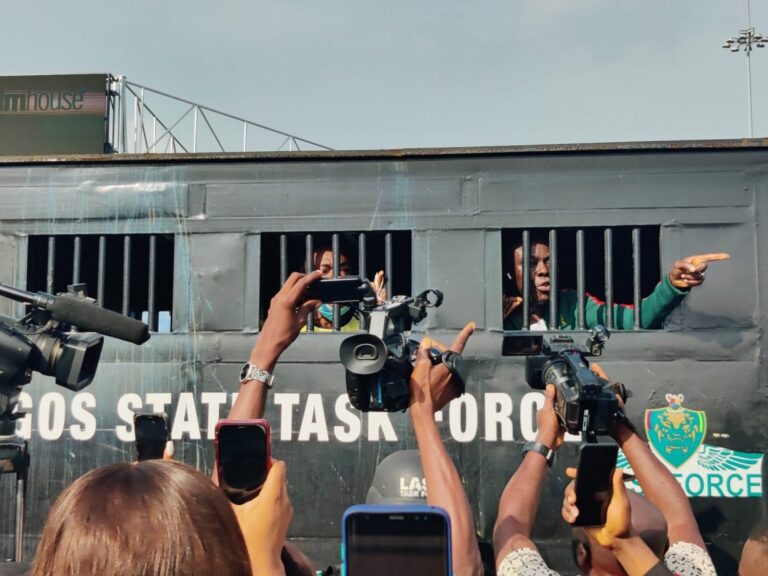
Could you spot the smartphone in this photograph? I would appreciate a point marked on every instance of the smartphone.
(337, 290)
(594, 483)
(151, 431)
(386, 540)
(243, 457)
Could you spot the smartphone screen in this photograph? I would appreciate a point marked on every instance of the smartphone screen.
(335, 290)
(242, 457)
(594, 483)
(397, 542)
(151, 432)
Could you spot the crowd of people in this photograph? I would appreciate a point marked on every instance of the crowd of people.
(164, 517)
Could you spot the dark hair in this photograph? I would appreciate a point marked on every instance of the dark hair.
(151, 517)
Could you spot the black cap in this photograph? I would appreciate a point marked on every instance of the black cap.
(399, 479)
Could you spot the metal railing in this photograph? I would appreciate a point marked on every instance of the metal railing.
(136, 125)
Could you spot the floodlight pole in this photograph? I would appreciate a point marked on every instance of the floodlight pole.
(746, 39)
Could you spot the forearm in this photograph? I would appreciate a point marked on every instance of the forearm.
(252, 398)
(444, 489)
(661, 488)
(634, 555)
(518, 505)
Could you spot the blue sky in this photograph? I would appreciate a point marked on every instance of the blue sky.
(364, 74)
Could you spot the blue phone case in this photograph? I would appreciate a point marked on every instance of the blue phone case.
(381, 509)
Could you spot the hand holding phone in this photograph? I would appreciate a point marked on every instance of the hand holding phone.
(594, 483)
(243, 457)
(151, 432)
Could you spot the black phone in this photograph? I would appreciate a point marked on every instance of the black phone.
(385, 540)
(151, 431)
(338, 290)
(594, 483)
(243, 457)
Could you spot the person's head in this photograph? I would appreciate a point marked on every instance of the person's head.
(143, 518)
(754, 555)
(399, 479)
(648, 522)
(538, 261)
(323, 261)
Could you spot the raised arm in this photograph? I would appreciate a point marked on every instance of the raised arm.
(520, 500)
(432, 387)
(287, 314)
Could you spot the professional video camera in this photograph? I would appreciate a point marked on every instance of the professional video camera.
(584, 402)
(41, 342)
(379, 364)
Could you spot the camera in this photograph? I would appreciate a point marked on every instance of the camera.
(378, 364)
(584, 402)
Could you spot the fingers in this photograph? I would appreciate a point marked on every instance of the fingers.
(425, 344)
(461, 339)
(168, 451)
(549, 398)
(511, 304)
(618, 481)
(299, 283)
(570, 472)
(700, 259)
(275, 484)
(307, 308)
(597, 369)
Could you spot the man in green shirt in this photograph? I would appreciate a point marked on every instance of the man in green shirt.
(684, 275)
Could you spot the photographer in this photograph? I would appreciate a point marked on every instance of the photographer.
(517, 554)
(674, 286)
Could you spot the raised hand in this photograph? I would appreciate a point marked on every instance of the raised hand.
(689, 271)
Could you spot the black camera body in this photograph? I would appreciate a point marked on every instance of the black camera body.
(584, 402)
(379, 364)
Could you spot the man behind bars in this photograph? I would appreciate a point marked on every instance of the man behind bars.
(684, 275)
(322, 259)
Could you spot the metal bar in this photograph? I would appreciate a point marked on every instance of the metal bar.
(362, 269)
(213, 132)
(154, 133)
(526, 263)
(194, 130)
(636, 276)
(245, 136)
(76, 257)
(554, 319)
(140, 110)
(151, 284)
(51, 265)
(580, 292)
(123, 116)
(336, 267)
(20, 505)
(162, 125)
(219, 112)
(608, 250)
(283, 258)
(126, 274)
(388, 262)
(102, 271)
(309, 265)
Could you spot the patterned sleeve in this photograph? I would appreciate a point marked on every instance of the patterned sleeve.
(524, 562)
(686, 559)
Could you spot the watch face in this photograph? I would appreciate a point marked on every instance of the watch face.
(244, 371)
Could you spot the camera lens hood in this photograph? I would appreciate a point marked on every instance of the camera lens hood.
(363, 354)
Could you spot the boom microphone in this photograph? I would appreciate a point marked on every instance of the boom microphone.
(92, 318)
(83, 314)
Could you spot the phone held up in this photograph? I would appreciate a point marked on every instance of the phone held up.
(385, 540)
(243, 457)
(338, 290)
(151, 431)
(594, 483)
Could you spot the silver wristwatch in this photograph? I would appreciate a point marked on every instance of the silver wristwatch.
(253, 372)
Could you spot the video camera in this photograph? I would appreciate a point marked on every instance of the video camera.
(584, 402)
(379, 363)
(42, 342)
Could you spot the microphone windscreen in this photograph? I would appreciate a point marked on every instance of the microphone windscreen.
(91, 318)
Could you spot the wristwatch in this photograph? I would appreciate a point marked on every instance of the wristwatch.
(253, 372)
(540, 448)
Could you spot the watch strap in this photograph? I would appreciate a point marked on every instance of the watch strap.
(540, 448)
(253, 372)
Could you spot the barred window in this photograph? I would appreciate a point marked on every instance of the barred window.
(600, 276)
(130, 274)
(348, 253)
